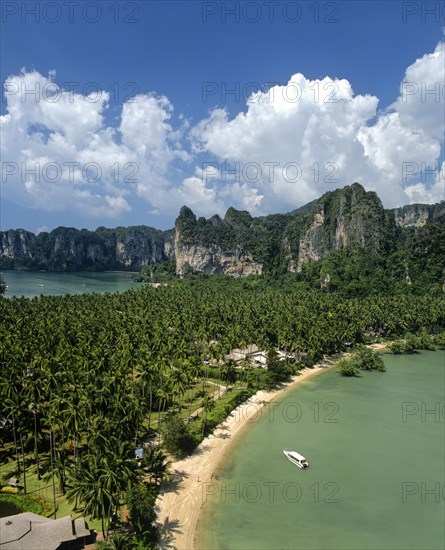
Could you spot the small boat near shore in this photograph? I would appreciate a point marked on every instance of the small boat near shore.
(296, 458)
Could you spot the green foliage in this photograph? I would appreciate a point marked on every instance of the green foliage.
(2, 286)
(228, 373)
(126, 541)
(26, 503)
(277, 371)
(439, 340)
(347, 368)
(117, 541)
(421, 253)
(219, 413)
(421, 341)
(397, 347)
(351, 273)
(154, 464)
(9, 489)
(354, 272)
(98, 480)
(158, 273)
(379, 258)
(362, 359)
(108, 369)
(177, 437)
(259, 236)
(412, 342)
(366, 359)
(140, 500)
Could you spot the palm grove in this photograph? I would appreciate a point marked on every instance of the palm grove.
(87, 379)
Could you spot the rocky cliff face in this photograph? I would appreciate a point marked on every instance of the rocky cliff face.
(417, 215)
(68, 249)
(136, 248)
(238, 245)
(214, 246)
(312, 245)
(213, 260)
(345, 218)
(15, 243)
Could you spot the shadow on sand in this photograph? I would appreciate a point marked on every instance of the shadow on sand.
(173, 484)
(167, 532)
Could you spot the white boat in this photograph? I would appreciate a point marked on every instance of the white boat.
(296, 458)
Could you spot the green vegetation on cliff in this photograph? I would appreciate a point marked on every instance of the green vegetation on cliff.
(70, 249)
(260, 236)
(416, 264)
(345, 242)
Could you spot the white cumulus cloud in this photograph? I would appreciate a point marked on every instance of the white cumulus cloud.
(59, 154)
(315, 135)
(291, 144)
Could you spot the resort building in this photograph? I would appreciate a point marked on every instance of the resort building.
(30, 531)
(257, 357)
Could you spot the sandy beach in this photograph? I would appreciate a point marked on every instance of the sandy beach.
(182, 497)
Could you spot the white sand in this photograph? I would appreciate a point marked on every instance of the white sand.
(183, 496)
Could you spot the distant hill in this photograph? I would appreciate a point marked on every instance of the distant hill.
(340, 225)
(69, 249)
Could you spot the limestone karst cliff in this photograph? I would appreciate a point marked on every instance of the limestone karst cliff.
(345, 218)
(349, 218)
(69, 249)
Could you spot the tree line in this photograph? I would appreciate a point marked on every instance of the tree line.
(87, 379)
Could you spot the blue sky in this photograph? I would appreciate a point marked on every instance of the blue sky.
(180, 49)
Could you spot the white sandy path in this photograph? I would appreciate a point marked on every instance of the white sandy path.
(182, 498)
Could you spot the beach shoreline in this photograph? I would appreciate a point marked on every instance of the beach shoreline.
(180, 502)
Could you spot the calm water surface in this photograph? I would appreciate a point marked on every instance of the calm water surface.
(30, 284)
(370, 467)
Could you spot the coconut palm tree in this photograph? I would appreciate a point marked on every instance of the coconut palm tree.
(208, 404)
(229, 374)
(35, 410)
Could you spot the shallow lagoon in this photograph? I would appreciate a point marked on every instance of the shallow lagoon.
(374, 453)
(31, 283)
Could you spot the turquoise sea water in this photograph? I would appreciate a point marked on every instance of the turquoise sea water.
(30, 284)
(377, 466)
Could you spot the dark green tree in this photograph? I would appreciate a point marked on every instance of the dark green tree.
(140, 500)
(177, 437)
